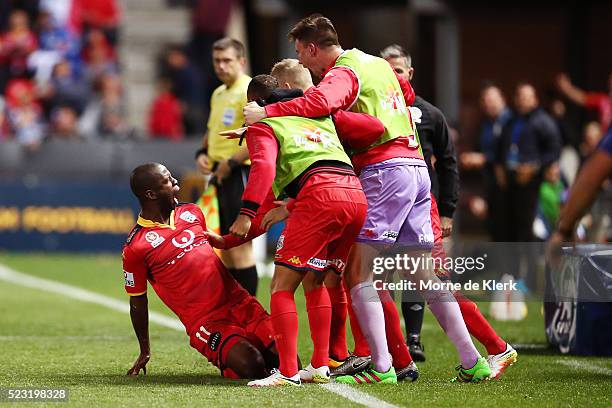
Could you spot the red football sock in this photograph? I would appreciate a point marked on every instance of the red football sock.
(338, 349)
(285, 324)
(478, 326)
(319, 310)
(361, 344)
(395, 338)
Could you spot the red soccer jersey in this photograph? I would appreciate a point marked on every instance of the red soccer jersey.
(181, 266)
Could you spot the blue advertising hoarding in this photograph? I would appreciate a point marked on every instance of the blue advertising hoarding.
(61, 216)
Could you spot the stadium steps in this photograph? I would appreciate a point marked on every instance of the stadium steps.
(147, 25)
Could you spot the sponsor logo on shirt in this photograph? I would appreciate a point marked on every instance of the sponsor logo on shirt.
(185, 240)
(390, 234)
(393, 101)
(187, 216)
(317, 263)
(129, 279)
(187, 244)
(311, 136)
(154, 239)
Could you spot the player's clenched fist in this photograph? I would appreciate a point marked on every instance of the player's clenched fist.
(140, 364)
(253, 113)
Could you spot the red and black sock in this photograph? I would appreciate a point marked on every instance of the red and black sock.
(395, 338)
(478, 326)
(337, 335)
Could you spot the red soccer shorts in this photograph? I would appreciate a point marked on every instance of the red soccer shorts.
(245, 319)
(328, 215)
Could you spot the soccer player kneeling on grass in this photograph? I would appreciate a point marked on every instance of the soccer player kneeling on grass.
(168, 248)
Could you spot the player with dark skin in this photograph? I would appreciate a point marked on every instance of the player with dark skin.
(156, 191)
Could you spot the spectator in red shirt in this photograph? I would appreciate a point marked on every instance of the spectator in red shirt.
(599, 101)
(15, 46)
(97, 14)
(24, 113)
(165, 118)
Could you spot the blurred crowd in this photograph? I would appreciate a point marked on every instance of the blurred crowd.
(529, 156)
(59, 71)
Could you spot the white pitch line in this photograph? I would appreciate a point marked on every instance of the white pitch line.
(65, 338)
(10, 275)
(585, 366)
(75, 292)
(359, 397)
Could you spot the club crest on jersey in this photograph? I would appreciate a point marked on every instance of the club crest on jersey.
(154, 239)
(185, 241)
(187, 216)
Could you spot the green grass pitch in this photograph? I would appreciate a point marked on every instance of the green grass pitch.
(48, 340)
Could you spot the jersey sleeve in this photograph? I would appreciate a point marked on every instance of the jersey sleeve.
(134, 272)
(337, 90)
(593, 100)
(357, 130)
(263, 150)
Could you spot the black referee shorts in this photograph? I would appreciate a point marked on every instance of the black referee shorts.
(229, 196)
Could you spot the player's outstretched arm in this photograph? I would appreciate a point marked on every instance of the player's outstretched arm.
(584, 191)
(139, 313)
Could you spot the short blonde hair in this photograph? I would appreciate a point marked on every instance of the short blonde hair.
(291, 71)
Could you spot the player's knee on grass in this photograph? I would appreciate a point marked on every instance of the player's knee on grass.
(246, 361)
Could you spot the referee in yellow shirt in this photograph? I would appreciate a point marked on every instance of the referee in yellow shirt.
(225, 159)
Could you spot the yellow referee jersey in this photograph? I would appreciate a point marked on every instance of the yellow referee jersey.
(226, 113)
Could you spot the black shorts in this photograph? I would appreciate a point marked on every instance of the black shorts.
(229, 195)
